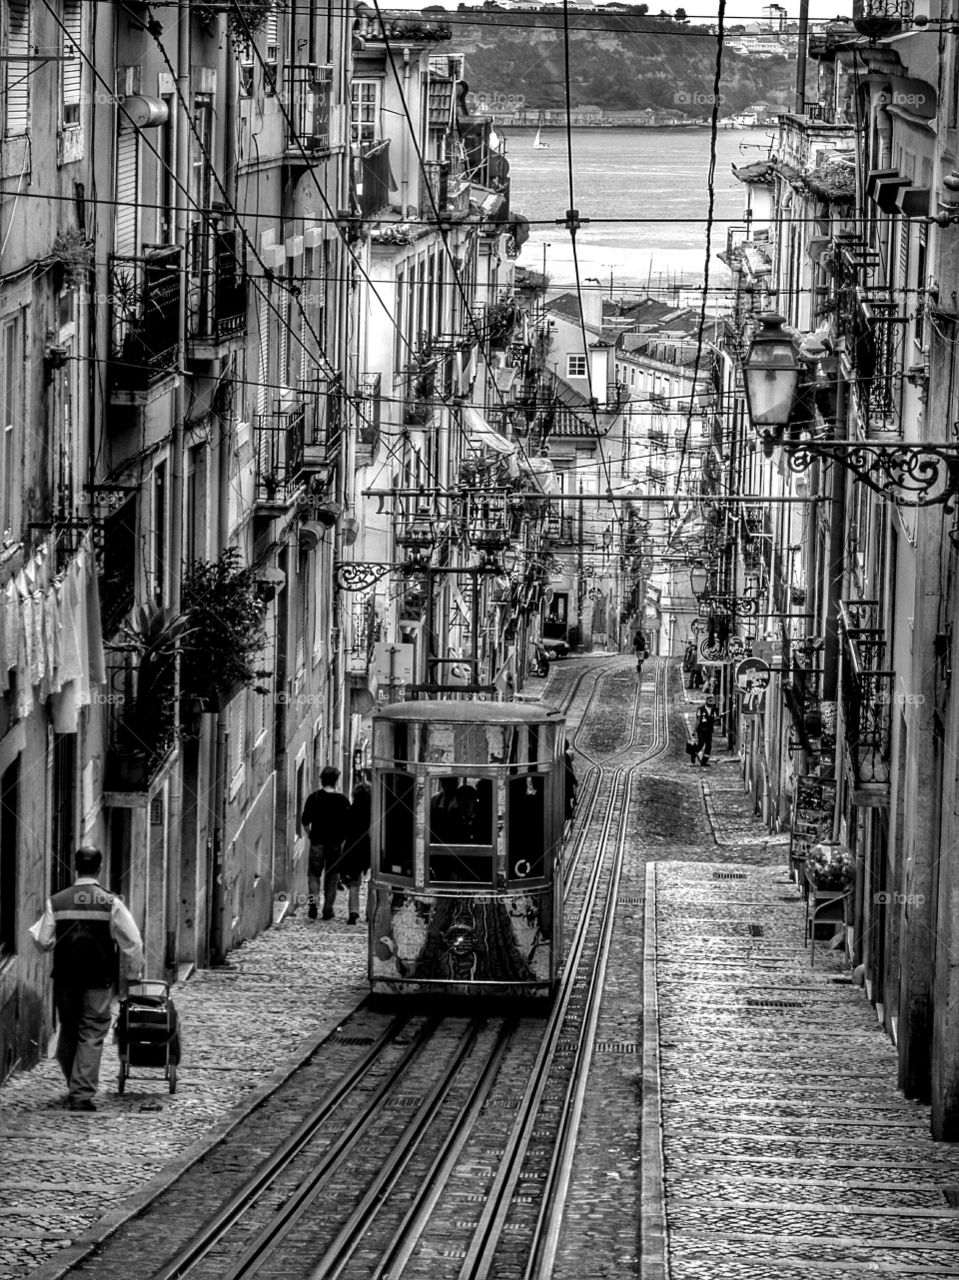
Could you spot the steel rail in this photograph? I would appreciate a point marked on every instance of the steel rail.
(549, 1224)
(479, 1256)
(407, 1236)
(347, 1240)
(266, 1173)
(256, 1253)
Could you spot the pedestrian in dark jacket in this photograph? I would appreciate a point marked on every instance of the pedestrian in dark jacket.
(357, 847)
(570, 783)
(88, 930)
(706, 717)
(324, 820)
(639, 649)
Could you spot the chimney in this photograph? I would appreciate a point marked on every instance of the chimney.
(593, 308)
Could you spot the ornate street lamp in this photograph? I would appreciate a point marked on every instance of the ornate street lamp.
(913, 474)
(699, 580)
(771, 373)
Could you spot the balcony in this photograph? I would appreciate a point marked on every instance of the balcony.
(878, 362)
(141, 724)
(323, 430)
(279, 441)
(418, 392)
(217, 290)
(866, 701)
(144, 320)
(309, 89)
(444, 189)
(877, 19)
(368, 404)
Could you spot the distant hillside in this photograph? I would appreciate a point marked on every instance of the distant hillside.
(618, 61)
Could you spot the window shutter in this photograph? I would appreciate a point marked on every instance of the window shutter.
(17, 104)
(264, 369)
(72, 60)
(302, 615)
(128, 149)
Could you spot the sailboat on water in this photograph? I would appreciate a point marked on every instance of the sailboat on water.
(538, 140)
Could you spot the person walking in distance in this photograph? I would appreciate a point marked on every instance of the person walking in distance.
(639, 649)
(88, 930)
(706, 717)
(356, 848)
(324, 820)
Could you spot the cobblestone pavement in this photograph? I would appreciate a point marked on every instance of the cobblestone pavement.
(242, 1024)
(788, 1150)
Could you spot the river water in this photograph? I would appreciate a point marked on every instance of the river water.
(646, 193)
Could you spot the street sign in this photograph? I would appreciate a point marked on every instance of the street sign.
(752, 680)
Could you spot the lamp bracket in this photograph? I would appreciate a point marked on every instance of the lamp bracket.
(910, 474)
(358, 575)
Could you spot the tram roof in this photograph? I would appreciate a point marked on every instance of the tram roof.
(496, 712)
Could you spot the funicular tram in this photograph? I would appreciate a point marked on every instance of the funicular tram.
(466, 886)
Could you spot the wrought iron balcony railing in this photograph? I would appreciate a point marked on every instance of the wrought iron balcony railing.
(279, 439)
(866, 700)
(368, 404)
(880, 18)
(145, 317)
(217, 284)
(878, 361)
(309, 88)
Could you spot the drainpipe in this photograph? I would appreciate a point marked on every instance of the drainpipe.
(174, 832)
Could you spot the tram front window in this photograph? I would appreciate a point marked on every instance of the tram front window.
(461, 831)
(526, 854)
(399, 825)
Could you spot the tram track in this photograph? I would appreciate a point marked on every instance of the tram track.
(448, 1143)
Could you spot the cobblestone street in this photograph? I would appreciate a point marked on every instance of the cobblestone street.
(244, 1026)
(746, 1123)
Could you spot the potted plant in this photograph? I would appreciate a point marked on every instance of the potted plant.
(830, 866)
(223, 633)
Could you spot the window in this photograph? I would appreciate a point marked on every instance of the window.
(194, 541)
(272, 55)
(237, 742)
(394, 852)
(365, 112)
(576, 366)
(16, 82)
(302, 615)
(246, 61)
(9, 844)
(166, 168)
(526, 800)
(126, 226)
(71, 73)
(461, 830)
(159, 532)
(11, 423)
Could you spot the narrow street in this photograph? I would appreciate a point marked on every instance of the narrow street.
(785, 1147)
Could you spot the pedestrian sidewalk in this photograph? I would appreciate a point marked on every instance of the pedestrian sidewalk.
(244, 1026)
(775, 1141)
